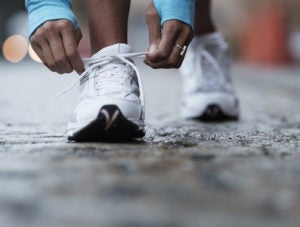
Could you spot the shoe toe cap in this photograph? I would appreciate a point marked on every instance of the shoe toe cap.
(89, 111)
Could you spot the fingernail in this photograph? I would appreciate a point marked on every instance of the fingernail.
(152, 48)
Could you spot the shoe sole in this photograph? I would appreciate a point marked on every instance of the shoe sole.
(214, 113)
(214, 107)
(110, 125)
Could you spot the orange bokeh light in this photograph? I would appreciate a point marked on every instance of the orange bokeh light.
(15, 48)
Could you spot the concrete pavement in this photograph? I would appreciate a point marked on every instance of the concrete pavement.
(184, 173)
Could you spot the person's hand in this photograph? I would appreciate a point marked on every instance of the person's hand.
(165, 44)
(56, 43)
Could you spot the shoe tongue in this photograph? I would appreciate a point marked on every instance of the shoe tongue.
(119, 48)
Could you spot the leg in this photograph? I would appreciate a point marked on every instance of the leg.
(203, 20)
(108, 21)
(111, 103)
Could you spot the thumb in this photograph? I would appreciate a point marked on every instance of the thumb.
(78, 35)
(153, 21)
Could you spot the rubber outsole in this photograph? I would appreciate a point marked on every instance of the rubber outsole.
(111, 126)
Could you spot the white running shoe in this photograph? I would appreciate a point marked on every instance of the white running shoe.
(111, 101)
(208, 93)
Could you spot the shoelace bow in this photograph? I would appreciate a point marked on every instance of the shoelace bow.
(104, 60)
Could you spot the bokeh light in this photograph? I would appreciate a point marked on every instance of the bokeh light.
(33, 55)
(15, 48)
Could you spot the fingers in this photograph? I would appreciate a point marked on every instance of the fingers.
(78, 36)
(174, 60)
(165, 47)
(70, 44)
(59, 55)
(167, 55)
(38, 50)
(153, 21)
(49, 58)
(56, 43)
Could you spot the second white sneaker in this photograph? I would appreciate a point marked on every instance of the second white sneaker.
(208, 92)
(111, 102)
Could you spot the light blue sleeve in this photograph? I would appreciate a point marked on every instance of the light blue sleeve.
(40, 11)
(182, 10)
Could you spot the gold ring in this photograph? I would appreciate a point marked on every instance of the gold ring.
(182, 48)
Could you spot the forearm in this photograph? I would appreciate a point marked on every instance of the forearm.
(40, 11)
(182, 10)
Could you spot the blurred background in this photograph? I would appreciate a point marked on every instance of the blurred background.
(262, 32)
(233, 174)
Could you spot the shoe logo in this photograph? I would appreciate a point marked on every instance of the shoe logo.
(110, 120)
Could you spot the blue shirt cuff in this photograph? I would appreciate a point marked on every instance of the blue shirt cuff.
(182, 10)
(40, 11)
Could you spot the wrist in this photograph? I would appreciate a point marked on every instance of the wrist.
(183, 11)
(40, 12)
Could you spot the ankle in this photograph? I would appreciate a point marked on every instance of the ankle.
(97, 46)
(201, 31)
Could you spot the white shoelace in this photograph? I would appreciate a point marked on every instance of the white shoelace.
(104, 60)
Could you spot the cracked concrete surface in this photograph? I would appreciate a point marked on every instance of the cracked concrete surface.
(184, 173)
